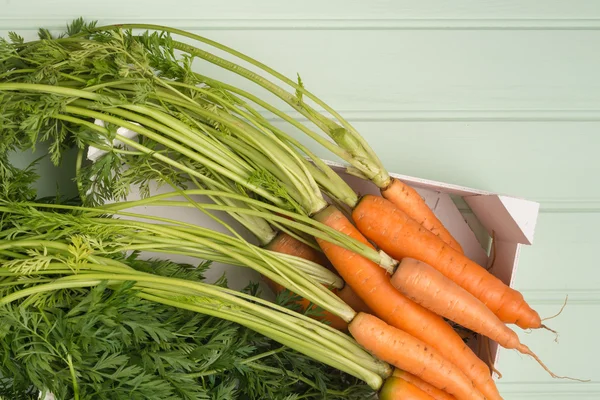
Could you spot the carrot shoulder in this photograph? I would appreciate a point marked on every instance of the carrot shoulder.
(432, 391)
(404, 351)
(400, 236)
(286, 244)
(408, 200)
(399, 389)
(372, 284)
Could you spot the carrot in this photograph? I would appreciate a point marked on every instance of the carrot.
(400, 236)
(399, 389)
(353, 300)
(408, 200)
(372, 284)
(284, 243)
(428, 287)
(432, 391)
(404, 351)
(287, 244)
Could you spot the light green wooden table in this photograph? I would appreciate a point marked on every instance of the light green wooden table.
(498, 95)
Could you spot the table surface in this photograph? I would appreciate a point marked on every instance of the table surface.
(497, 95)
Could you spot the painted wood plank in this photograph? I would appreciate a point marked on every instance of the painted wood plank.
(432, 71)
(544, 391)
(309, 9)
(433, 74)
(562, 258)
(554, 163)
(521, 72)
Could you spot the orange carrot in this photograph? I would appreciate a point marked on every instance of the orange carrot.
(353, 300)
(426, 286)
(404, 351)
(399, 389)
(284, 243)
(400, 236)
(372, 284)
(432, 391)
(410, 201)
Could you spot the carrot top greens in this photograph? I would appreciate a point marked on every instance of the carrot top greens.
(108, 342)
(84, 88)
(84, 317)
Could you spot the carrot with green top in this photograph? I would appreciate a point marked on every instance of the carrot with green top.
(400, 236)
(346, 142)
(373, 285)
(284, 243)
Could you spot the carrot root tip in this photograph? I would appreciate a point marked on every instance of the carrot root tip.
(526, 350)
(498, 373)
(551, 330)
(559, 312)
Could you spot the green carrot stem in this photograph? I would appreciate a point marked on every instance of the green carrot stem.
(73, 377)
(371, 165)
(175, 246)
(12, 254)
(320, 230)
(285, 162)
(144, 150)
(383, 176)
(271, 267)
(70, 92)
(259, 227)
(175, 146)
(288, 277)
(323, 174)
(331, 180)
(254, 223)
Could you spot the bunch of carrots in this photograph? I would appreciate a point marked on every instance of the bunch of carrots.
(209, 130)
(400, 319)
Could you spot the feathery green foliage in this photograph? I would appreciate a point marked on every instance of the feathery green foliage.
(119, 346)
